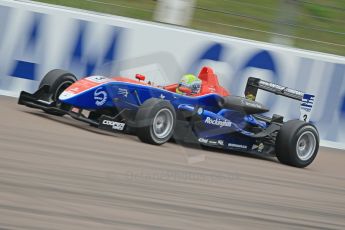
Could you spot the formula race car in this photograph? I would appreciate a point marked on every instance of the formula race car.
(157, 114)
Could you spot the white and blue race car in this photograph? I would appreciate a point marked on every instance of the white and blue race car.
(157, 114)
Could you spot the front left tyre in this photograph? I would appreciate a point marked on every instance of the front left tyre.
(155, 121)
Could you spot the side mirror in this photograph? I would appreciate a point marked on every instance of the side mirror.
(140, 77)
(185, 90)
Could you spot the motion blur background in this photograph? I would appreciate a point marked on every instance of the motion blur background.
(317, 25)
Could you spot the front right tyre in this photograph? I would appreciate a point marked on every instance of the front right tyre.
(297, 143)
(58, 80)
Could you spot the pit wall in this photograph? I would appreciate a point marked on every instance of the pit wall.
(36, 38)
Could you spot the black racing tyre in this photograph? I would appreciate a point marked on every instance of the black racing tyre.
(297, 143)
(155, 121)
(58, 80)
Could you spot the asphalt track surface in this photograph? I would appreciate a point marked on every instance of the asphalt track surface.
(58, 173)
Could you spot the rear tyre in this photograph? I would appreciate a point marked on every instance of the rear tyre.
(297, 143)
(155, 121)
(58, 80)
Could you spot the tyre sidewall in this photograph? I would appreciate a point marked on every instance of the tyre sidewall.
(56, 89)
(155, 111)
(145, 118)
(295, 160)
(287, 142)
(55, 79)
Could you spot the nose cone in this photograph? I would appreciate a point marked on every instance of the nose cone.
(81, 88)
(65, 95)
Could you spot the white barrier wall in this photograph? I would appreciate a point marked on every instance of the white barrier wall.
(36, 38)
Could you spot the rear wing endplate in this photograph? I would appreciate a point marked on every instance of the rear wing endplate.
(306, 100)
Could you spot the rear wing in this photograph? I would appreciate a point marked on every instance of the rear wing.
(306, 100)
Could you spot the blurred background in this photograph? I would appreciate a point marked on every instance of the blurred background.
(317, 25)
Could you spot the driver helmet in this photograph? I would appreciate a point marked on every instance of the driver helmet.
(191, 82)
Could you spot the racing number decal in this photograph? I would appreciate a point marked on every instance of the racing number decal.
(306, 106)
(305, 117)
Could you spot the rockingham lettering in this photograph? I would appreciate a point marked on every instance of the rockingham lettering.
(218, 122)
